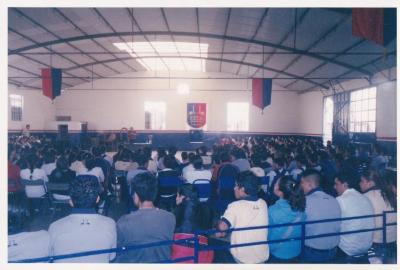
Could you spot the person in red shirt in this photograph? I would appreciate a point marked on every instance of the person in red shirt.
(14, 183)
(225, 158)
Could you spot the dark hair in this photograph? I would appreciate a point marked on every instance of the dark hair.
(18, 212)
(62, 163)
(346, 177)
(145, 187)
(386, 189)
(49, 157)
(84, 190)
(224, 156)
(279, 161)
(191, 214)
(141, 159)
(172, 150)
(313, 175)
(184, 155)
(198, 162)
(170, 162)
(249, 181)
(238, 153)
(293, 193)
(90, 162)
(191, 157)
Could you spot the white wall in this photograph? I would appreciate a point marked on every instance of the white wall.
(37, 110)
(121, 103)
(311, 113)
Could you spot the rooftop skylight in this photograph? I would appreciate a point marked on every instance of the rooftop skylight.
(161, 55)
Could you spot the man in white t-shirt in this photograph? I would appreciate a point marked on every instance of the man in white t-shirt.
(353, 247)
(247, 211)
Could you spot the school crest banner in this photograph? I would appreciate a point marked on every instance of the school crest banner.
(196, 114)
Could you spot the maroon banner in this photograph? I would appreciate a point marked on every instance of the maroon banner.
(196, 114)
(368, 23)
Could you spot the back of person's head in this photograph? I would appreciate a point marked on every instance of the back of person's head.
(145, 186)
(249, 181)
(312, 176)
(191, 157)
(18, 212)
(90, 162)
(141, 159)
(84, 191)
(293, 193)
(23, 164)
(382, 184)
(49, 157)
(62, 163)
(184, 155)
(346, 177)
(238, 153)
(170, 162)
(172, 150)
(225, 156)
(34, 162)
(96, 151)
(161, 152)
(280, 162)
(198, 162)
(147, 151)
(72, 157)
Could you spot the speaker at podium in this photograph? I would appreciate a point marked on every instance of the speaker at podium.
(196, 135)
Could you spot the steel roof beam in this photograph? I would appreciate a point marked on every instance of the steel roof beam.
(190, 34)
(223, 39)
(284, 38)
(345, 73)
(322, 37)
(133, 20)
(172, 37)
(49, 49)
(260, 23)
(53, 34)
(325, 62)
(65, 17)
(213, 59)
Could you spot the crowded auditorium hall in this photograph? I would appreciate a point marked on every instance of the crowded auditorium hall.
(212, 135)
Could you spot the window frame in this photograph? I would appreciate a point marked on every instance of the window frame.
(16, 107)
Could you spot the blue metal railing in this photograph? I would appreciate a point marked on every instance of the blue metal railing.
(197, 247)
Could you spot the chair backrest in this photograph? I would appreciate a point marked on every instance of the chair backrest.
(54, 187)
(27, 182)
(168, 185)
(203, 187)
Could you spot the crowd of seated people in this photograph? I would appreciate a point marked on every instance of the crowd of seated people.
(272, 181)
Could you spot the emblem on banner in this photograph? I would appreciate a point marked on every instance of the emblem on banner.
(196, 114)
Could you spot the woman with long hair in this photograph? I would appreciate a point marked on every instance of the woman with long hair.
(190, 213)
(383, 199)
(288, 209)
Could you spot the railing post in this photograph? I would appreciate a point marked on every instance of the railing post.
(303, 237)
(384, 221)
(196, 247)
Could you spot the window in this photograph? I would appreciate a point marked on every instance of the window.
(238, 116)
(16, 103)
(154, 115)
(328, 119)
(363, 110)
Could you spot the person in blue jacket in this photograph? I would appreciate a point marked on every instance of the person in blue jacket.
(288, 209)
